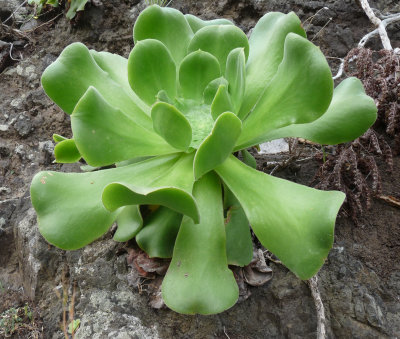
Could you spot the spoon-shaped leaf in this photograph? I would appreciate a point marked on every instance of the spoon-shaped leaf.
(219, 40)
(218, 145)
(67, 79)
(293, 221)
(171, 189)
(166, 25)
(66, 152)
(63, 200)
(157, 238)
(235, 73)
(172, 125)
(302, 89)
(196, 71)
(151, 69)
(116, 67)
(349, 115)
(266, 52)
(99, 128)
(129, 222)
(198, 279)
(197, 23)
(222, 102)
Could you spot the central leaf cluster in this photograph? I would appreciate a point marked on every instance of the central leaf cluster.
(194, 78)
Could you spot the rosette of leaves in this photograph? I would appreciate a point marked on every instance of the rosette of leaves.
(169, 117)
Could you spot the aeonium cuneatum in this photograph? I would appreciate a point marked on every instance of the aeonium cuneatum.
(191, 93)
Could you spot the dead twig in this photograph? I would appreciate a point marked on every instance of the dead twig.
(226, 334)
(71, 312)
(319, 306)
(16, 32)
(390, 200)
(15, 11)
(379, 24)
(11, 57)
(269, 256)
(340, 70)
(310, 19)
(45, 23)
(322, 29)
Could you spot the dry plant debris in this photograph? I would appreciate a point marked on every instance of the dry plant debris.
(380, 74)
(19, 318)
(353, 168)
(354, 171)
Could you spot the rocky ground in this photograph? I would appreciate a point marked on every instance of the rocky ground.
(359, 284)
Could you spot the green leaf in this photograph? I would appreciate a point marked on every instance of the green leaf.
(222, 102)
(54, 3)
(58, 138)
(158, 236)
(196, 71)
(235, 73)
(73, 326)
(266, 52)
(293, 221)
(99, 128)
(76, 5)
(219, 40)
(218, 145)
(248, 159)
(163, 96)
(69, 206)
(151, 69)
(172, 125)
(211, 89)
(66, 152)
(171, 189)
(349, 115)
(198, 279)
(129, 222)
(239, 245)
(300, 92)
(197, 23)
(67, 79)
(166, 25)
(131, 161)
(116, 67)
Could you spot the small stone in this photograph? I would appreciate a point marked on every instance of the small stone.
(4, 128)
(17, 103)
(5, 190)
(373, 311)
(20, 150)
(29, 69)
(29, 25)
(273, 147)
(23, 125)
(20, 70)
(46, 146)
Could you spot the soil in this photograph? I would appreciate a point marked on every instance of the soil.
(376, 238)
(360, 283)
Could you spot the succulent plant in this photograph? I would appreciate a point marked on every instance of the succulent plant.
(170, 117)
